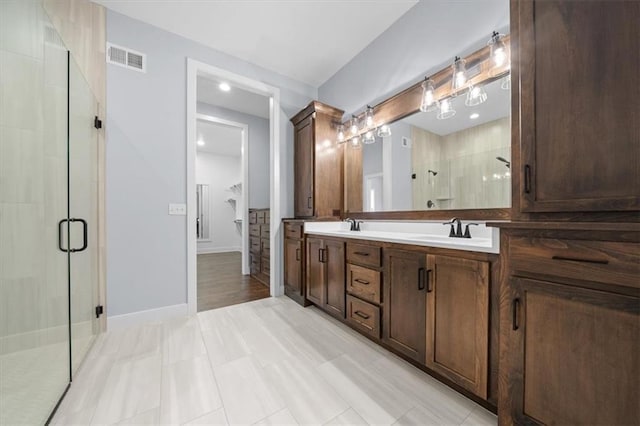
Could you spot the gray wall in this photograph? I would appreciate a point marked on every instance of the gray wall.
(259, 167)
(405, 52)
(146, 161)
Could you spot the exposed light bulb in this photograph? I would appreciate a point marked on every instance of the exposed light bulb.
(459, 74)
(498, 50)
(369, 138)
(428, 102)
(368, 117)
(340, 135)
(224, 87)
(353, 127)
(355, 142)
(446, 110)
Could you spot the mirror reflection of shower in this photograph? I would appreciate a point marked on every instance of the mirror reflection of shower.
(202, 206)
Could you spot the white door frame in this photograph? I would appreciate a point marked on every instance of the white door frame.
(277, 180)
(244, 162)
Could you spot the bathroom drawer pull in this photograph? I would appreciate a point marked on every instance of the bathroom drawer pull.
(362, 315)
(297, 254)
(361, 253)
(527, 179)
(575, 259)
(361, 281)
(515, 304)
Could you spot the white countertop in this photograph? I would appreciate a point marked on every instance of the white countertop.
(422, 233)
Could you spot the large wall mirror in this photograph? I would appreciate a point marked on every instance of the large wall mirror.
(444, 160)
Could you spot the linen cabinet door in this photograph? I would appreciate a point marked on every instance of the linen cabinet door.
(572, 356)
(304, 167)
(334, 258)
(404, 302)
(293, 266)
(458, 321)
(315, 271)
(578, 112)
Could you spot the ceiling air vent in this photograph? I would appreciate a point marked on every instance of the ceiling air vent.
(127, 58)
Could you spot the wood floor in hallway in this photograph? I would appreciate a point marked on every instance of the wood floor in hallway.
(221, 283)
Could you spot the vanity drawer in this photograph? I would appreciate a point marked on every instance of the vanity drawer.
(264, 231)
(363, 254)
(605, 262)
(293, 230)
(267, 216)
(363, 316)
(254, 245)
(261, 214)
(364, 283)
(254, 230)
(253, 217)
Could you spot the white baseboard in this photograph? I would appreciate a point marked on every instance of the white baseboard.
(206, 250)
(119, 322)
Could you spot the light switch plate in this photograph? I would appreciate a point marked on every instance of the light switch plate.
(178, 209)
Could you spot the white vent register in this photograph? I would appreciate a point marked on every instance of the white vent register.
(127, 58)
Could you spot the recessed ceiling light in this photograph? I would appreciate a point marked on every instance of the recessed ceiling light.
(224, 87)
(200, 143)
(474, 116)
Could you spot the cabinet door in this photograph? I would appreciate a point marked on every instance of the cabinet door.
(571, 356)
(315, 271)
(579, 103)
(303, 167)
(404, 303)
(293, 266)
(334, 258)
(458, 321)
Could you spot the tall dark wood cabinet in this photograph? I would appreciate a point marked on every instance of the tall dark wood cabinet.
(578, 101)
(570, 276)
(318, 162)
(259, 245)
(404, 311)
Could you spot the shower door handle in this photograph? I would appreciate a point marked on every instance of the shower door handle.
(60, 237)
(84, 235)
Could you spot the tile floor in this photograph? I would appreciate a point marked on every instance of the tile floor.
(268, 362)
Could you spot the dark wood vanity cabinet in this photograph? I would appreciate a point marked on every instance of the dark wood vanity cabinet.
(318, 162)
(404, 296)
(570, 325)
(325, 275)
(457, 326)
(294, 261)
(576, 97)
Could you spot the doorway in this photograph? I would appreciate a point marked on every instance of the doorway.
(221, 261)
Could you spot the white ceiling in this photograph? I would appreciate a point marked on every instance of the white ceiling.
(235, 99)
(497, 105)
(219, 139)
(307, 40)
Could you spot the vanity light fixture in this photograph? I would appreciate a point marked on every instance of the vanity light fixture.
(428, 102)
(224, 87)
(355, 142)
(369, 138)
(353, 126)
(475, 96)
(446, 110)
(384, 131)
(459, 74)
(498, 50)
(368, 117)
(506, 82)
(340, 135)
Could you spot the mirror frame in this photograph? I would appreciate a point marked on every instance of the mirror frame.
(404, 104)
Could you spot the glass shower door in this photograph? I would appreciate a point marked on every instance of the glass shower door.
(34, 297)
(83, 214)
